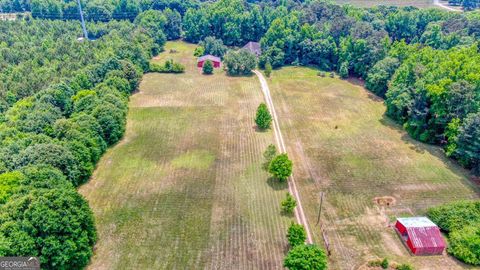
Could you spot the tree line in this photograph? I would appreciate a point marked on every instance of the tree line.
(94, 10)
(52, 135)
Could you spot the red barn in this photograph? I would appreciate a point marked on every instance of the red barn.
(421, 235)
(216, 61)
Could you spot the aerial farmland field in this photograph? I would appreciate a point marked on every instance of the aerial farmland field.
(185, 189)
(370, 170)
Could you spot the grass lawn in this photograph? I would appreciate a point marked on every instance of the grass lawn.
(370, 169)
(399, 3)
(184, 189)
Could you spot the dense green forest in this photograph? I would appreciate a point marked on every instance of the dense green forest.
(63, 102)
(68, 104)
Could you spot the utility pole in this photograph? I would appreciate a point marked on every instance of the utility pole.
(85, 33)
(320, 209)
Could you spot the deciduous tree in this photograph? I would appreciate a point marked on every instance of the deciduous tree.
(263, 119)
(281, 167)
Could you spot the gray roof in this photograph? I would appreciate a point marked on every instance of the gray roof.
(209, 57)
(254, 47)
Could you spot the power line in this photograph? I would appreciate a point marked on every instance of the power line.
(85, 33)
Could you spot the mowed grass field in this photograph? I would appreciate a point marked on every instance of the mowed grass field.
(185, 189)
(343, 145)
(398, 3)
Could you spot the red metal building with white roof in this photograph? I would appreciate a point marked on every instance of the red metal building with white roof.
(421, 235)
(216, 61)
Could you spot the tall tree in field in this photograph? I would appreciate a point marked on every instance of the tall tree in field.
(281, 167)
(296, 235)
(263, 118)
(207, 67)
(305, 257)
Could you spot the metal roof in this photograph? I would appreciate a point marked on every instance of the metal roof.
(425, 237)
(416, 222)
(209, 57)
(254, 47)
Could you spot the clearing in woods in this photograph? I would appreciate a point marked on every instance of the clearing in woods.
(371, 171)
(185, 188)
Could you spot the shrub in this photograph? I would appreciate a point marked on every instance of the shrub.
(296, 235)
(456, 215)
(303, 257)
(168, 67)
(281, 167)
(384, 264)
(207, 67)
(240, 62)
(199, 51)
(288, 204)
(268, 155)
(263, 118)
(404, 267)
(465, 244)
(268, 69)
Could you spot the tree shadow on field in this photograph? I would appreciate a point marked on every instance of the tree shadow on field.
(422, 148)
(257, 129)
(285, 214)
(241, 75)
(275, 184)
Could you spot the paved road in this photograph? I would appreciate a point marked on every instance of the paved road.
(437, 3)
(299, 214)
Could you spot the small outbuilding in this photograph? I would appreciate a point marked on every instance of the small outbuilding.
(216, 61)
(421, 235)
(254, 47)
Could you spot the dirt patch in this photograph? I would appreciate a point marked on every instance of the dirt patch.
(385, 201)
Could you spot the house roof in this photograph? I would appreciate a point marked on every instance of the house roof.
(416, 222)
(209, 57)
(253, 47)
(424, 237)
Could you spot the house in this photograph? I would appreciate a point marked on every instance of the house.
(421, 235)
(216, 61)
(254, 47)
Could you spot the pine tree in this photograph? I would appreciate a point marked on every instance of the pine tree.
(207, 67)
(263, 118)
